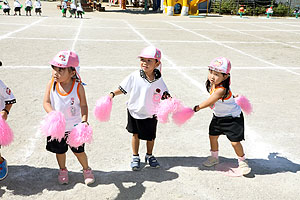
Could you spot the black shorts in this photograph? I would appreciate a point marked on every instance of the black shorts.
(6, 10)
(28, 8)
(145, 128)
(62, 147)
(232, 127)
(18, 9)
(38, 10)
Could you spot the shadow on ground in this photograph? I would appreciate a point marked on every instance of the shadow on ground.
(26, 180)
(273, 165)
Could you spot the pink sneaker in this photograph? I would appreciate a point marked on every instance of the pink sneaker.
(63, 177)
(88, 176)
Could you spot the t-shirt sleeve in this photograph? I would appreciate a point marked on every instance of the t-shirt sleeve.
(6, 94)
(126, 85)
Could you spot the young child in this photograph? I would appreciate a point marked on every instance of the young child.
(146, 88)
(6, 8)
(28, 4)
(64, 7)
(227, 115)
(73, 8)
(38, 7)
(7, 99)
(79, 10)
(66, 94)
(17, 6)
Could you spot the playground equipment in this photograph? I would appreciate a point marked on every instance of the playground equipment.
(182, 7)
(242, 11)
(269, 11)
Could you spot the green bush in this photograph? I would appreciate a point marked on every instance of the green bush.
(228, 7)
(281, 10)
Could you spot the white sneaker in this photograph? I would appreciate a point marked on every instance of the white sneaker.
(244, 167)
(211, 161)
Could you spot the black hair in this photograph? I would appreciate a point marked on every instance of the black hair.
(225, 84)
(69, 68)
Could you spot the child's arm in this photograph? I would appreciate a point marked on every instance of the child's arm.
(211, 100)
(83, 104)
(115, 93)
(47, 103)
(5, 111)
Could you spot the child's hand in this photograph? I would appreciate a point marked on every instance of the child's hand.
(235, 96)
(111, 95)
(4, 115)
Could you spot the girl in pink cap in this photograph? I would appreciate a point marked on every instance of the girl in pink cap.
(146, 88)
(65, 93)
(227, 115)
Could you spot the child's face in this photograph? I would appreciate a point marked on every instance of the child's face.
(216, 77)
(62, 74)
(149, 64)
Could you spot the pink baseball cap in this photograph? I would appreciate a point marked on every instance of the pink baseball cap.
(150, 52)
(66, 59)
(220, 64)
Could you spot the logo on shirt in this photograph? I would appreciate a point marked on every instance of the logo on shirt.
(72, 101)
(8, 91)
(156, 96)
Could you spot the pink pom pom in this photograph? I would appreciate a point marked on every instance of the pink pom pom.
(244, 103)
(164, 109)
(182, 115)
(103, 109)
(54, 125)
(6, 134)
(82, 133)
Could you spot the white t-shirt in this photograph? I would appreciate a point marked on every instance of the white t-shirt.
(64, 5)
(6, 96)
(68, 104)
(73, 6)
(225, 108)
(17, 4)
(28, 3)
(6, 6)
(38, 4)
(144, 95)
(79, 8)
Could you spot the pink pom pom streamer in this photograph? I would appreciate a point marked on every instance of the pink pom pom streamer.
(164, 109)
(54, 125)
(103, 109)
(6, 134)
(244, 103)
(182, 115)
(80, 134)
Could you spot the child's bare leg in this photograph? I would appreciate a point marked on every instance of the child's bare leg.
(150, 145)
(135, 142)
(82, 158)
(238, 148)
(61, 159)
(214, 145)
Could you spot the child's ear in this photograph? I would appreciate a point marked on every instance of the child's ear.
(157, 64)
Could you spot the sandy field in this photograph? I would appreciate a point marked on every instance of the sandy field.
(265, 67)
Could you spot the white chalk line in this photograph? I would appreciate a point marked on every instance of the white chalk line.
(154, 41)
(21, 29)
(77, 35)
(234, 49)
(184, 68)
(259, 37)
(30, 147)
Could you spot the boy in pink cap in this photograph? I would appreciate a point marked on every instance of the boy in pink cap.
(146, 88)
(65, 93)
(227, 115)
